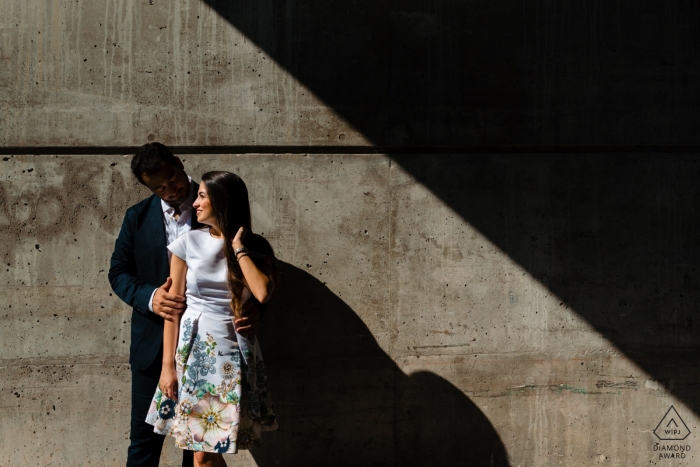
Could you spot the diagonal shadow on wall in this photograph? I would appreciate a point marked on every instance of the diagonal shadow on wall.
(614, 236)
(496, 73)
(341, 400)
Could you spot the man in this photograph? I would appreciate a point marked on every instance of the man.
(140, 263)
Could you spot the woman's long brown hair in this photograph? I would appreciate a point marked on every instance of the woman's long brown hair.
(229, 203)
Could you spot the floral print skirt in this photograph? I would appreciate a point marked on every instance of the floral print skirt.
(223, 402)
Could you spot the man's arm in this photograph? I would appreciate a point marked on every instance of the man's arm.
(251, 314)
(126, 284)
(122, 270)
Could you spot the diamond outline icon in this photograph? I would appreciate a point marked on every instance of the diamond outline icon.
(673, 419)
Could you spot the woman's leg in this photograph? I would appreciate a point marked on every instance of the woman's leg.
(209, 459)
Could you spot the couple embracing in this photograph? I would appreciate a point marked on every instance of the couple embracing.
(197, 370)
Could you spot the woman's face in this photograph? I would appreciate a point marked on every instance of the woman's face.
(202, 206)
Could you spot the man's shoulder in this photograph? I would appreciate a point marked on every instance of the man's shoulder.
(141, 206)
(137, 213)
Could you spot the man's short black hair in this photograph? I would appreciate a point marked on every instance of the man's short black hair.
(149, 159)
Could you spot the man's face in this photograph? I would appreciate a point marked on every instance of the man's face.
(170, 183)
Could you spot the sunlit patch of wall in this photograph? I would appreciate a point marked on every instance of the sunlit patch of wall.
(530, 309)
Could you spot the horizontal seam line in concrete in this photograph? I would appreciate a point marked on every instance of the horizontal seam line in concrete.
(389, 150)
(64, 360)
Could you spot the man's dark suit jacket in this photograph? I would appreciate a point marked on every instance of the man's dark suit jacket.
(140, 265)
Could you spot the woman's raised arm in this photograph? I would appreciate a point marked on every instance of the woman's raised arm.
(259, 281)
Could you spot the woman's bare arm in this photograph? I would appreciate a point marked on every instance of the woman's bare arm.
(259, 281)
(168, 377)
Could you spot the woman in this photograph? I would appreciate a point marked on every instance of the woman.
(212, 395)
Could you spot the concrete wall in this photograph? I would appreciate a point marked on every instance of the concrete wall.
(401, 332)
(213, 72)
(524, 309)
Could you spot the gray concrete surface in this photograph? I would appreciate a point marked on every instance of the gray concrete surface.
(211, 72)
(116, 73)
(401, 332)
(531, 309)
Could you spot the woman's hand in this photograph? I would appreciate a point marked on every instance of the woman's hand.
(237, 241)
(168, 382)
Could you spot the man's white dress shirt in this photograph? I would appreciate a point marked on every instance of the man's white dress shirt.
(175, 228)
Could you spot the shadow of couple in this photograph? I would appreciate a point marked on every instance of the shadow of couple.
(341, 400)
